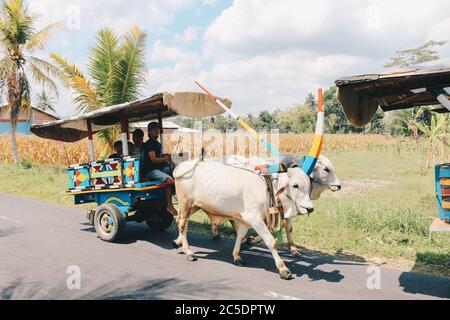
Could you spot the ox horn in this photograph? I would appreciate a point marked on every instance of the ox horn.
(311, 159)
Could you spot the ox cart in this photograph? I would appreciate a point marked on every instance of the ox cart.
(116, 185)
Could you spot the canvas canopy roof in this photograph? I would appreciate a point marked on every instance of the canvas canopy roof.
(189, 104)
(362, 95)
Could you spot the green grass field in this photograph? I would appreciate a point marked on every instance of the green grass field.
(382, 215)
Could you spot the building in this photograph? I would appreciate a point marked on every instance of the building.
(169, 127)
(24, 121)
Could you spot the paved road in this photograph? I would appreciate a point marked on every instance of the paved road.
(38, 241)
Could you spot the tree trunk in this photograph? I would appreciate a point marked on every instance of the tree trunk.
(15, 90)
(15, 154)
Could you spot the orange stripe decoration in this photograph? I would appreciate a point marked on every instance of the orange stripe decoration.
(206, 91)
(316, 147)
(320, 100)
(311, 160)
(445, 182)
(446, 205)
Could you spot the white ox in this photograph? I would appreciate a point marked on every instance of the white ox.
(323, 178)
(238, 194)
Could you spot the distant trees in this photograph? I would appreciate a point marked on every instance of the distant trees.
(296, 119)
(406, 122)
(413, 57)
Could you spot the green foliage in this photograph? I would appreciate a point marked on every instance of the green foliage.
(25, 164)
(415, 56)
(116, 74)
(297, 119)
(407, 122)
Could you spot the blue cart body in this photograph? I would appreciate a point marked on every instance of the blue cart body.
(113, 181)
(442, 180)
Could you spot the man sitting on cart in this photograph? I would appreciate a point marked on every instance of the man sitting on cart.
(157, 166)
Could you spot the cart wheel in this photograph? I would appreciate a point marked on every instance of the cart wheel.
(109, 222)
(161, 221)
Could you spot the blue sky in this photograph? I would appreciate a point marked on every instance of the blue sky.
(262, 54)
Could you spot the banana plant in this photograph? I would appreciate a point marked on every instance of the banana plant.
(436, 131)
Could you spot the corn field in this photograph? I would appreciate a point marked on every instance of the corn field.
(47, 152)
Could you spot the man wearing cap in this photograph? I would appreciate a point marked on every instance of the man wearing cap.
(157, 166)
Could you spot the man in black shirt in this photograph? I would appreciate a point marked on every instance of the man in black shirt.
(157, 166)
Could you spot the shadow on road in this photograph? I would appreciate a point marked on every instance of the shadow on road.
(431, 286)
(310, 264)
(125, 288)
(255, 257)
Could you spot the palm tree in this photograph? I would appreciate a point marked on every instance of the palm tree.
(116, 73)
(20, 40)
(45, 102)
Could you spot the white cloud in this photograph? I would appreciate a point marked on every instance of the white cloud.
(271, 54)
(209, 2)
(160, 53)
(187, 36)
(116, 14)
(265, 53)
(374, 28)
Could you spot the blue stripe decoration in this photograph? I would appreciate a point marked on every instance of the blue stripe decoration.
(444, 173)
(308, 165)
(437, 171)
(272, 150)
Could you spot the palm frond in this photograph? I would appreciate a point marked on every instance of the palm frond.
(84, 95)
(16, 24)
(131, 72)
(68, 69)
(26, 93)
(44, 102)
(39, 40)
(42, 78)
(103, 60)
(49, 68)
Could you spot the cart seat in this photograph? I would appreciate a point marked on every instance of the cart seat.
(141, 185)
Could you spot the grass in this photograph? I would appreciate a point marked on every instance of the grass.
(384, 219)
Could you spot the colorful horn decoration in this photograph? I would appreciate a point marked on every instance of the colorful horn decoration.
(244, 124)
(311, 159)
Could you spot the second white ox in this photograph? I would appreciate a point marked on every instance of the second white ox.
(323, 178)
(237, 194)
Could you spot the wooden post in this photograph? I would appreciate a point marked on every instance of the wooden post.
(161, 131)
(90, 141)
(124, 134)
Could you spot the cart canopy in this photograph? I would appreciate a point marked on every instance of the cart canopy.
(401, 89)
(189, 104)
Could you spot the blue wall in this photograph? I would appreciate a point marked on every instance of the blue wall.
(22, 128)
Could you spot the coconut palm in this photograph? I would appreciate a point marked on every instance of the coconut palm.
(45, 102)
(18, 64)
(116, 73)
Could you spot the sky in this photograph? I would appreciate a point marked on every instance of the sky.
(262, 54)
